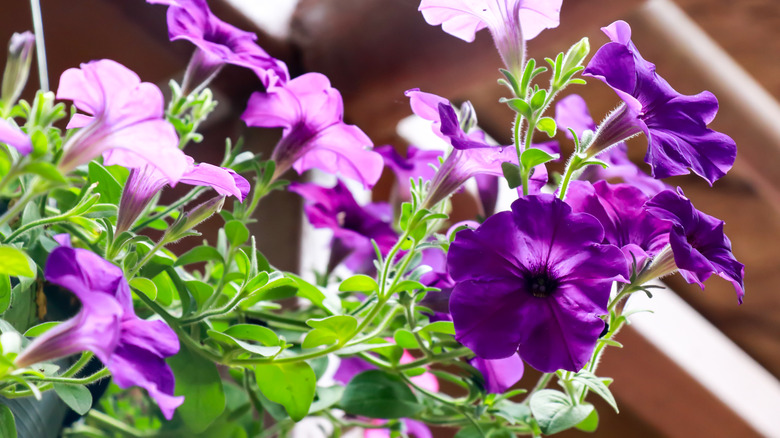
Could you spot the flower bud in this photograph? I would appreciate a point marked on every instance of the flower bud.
(576, 55)
(17, 67)
(194, 217)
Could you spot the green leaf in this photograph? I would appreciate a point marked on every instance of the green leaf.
(377, 394)
(253, 332)
(337, 328)
(320, 298)
(358, 283)
(326, 397)
(145, 286)
(5, 292)
(199, 381)
(108, 187)
(548, 126)
(537, 101)
(40, 329)
(77, 397)
(236, 232)
(200, 291)
(46, 171)
(590, 423)
(405, 339)
(555, 413)
(596, 385)
(519, 106)
(246, 346)
(290, 384)
(16, 262)
(7, 423)
(98, 211)
(446, 327)
(199, 254)
(533, 157)
(512, 174)
(510, 82)
(407, 285)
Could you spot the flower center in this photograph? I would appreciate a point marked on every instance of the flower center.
(541, 285)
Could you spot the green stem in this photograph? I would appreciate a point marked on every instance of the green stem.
(210, 301)
(544, 379)
(443, 357)
(179, 203)
(40, 46)
(112, 423)
(266, 316)
(379, 328)
(146, 258)
(572, 166)
(81, 363)
(19, 204)
(39, 223)
(103, 373)
(214, 312)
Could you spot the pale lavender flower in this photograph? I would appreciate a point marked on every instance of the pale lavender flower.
(125, 121)
(534, 280)
(15, 137)
(315, 135)
(511, 22)
(134, 350)
(144, 183)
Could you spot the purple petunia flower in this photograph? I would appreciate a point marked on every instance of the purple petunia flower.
(218, 43)
(699, 246)
(353, 226)
(675, 124)
(533, 280)
(15, 137)
(126, 122)
(511, 22)
(499, 374)
(620, 210)
(144, 183)
(134, 350)
(417, 164)
(314, 136)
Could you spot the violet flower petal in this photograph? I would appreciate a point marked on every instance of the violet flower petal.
(698, 243)
(533, 280)
(15, 137)
(499, 374)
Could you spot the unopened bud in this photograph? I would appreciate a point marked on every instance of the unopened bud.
(194, 217)
(17, 66)
(576, 54)
(467, 116)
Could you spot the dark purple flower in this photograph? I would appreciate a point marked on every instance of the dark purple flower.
(499, 374)
(15, 137)
(218, 43)
(134, 350)
(417, 164)
(620, 209)
(572, 112)
(314, 136)
(511, 22)
(675, 124)
(125, 124)
(353, 226)
(533, 280)
(699, 246)
(144, 183)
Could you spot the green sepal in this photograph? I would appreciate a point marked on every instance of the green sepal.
(512, 175)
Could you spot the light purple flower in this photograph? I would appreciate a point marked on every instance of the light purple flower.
(511, 22)
(499, 374)
(314, 136)
(353, 226)
(417, 164)
(412, 428)
(699, 246)
(125, 124)
(675, 124)
(533, 280)
(134, 350)
(572, 112)
(620, 210)
(144, 183)
(218, 43)
(471, 155)
(15, 137)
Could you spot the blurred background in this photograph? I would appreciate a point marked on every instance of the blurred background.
(724, 382)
